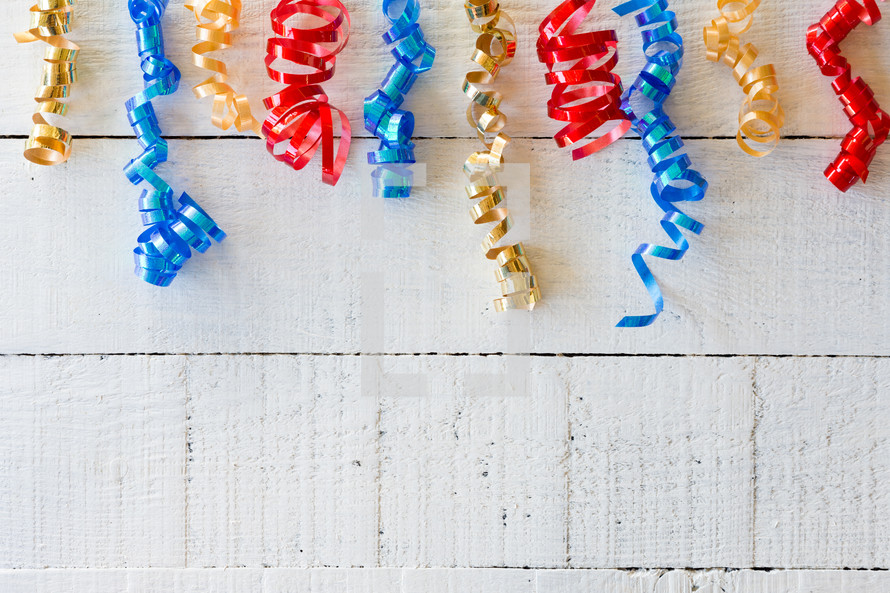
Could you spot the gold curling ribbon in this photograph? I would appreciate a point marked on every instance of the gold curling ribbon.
(761, 117)
(495, 48)
(216, 21)
(50, 21)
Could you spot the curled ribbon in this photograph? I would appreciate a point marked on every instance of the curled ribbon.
(301, 114)
(172, 232)
(50, 21)
(761, 117)
(675, 180)
(871, 124)
(383, 118)
(495, 48)
(216, 21)
(582, 62)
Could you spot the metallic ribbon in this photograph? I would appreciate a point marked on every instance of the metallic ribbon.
(675, 180)
(495, 48)
(761, 117)
(582, 62)
(301, 114)
(172, 232)
(50, 21)
(216, 21)
(383, 118)
(871, 124)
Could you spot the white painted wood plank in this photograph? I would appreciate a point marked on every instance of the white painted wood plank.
(811, 581)
(283, 463)
(658, 465)
(331, 580)
(671, 440)
(823, 463)
(92, 461)
(472, 472)
(705, 102)
(785, 265)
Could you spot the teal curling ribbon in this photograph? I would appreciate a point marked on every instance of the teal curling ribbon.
(383, 116)
(675, 181)
(172, 231)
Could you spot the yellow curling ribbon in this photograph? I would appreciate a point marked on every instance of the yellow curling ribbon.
(50, 21)
(761, 117)
(216, 21)
(495, 48)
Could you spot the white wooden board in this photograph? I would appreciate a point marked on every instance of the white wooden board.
(785, 265)
(185, 470)
(391, 580)
(307, 461)
(705, 103)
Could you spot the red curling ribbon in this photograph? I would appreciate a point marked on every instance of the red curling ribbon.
(871, 124)
(586, 93)
(301, 114)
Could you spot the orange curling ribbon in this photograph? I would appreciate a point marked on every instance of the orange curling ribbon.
(216, 21)
(495, 48)
(50, 21)
(871, 124)
(582, 62)
(761, 117)
(302, 119)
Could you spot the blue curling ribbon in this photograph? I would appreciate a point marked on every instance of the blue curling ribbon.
(675, 181)
(175, 227)
(383, 116)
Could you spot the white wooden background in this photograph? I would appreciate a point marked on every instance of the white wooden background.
(236, 432)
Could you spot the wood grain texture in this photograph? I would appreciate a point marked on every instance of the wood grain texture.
(297, 461)
(312, 471)
(282, 463)
(705, 102)
(92, 453)
(785, 265)
(671, 439)
(823, 463)
(388, 580)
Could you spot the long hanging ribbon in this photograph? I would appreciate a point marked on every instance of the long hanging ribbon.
(496, 32)
(216, 20)
(50, 22)
(172, 232)
(383, 116)
(761, 117)
(301, 115)
(586, 93)
(675, 180)
(871, 124)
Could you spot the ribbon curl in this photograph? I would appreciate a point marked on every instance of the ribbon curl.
(582, 62)
(383, 118)
(172, 232)
(50, 21)
(871, 125)
(675, 180)
(216, 21)
(495, 48)
(301, 114)
(761, 117)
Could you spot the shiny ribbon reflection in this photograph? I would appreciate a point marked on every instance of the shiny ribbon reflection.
(174, 229)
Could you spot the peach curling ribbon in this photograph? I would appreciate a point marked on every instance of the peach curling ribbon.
(496, 32)
(217, 19)
(871, 124)
(582, 62)
(761, 117)
(50, 21)
(301, 116)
